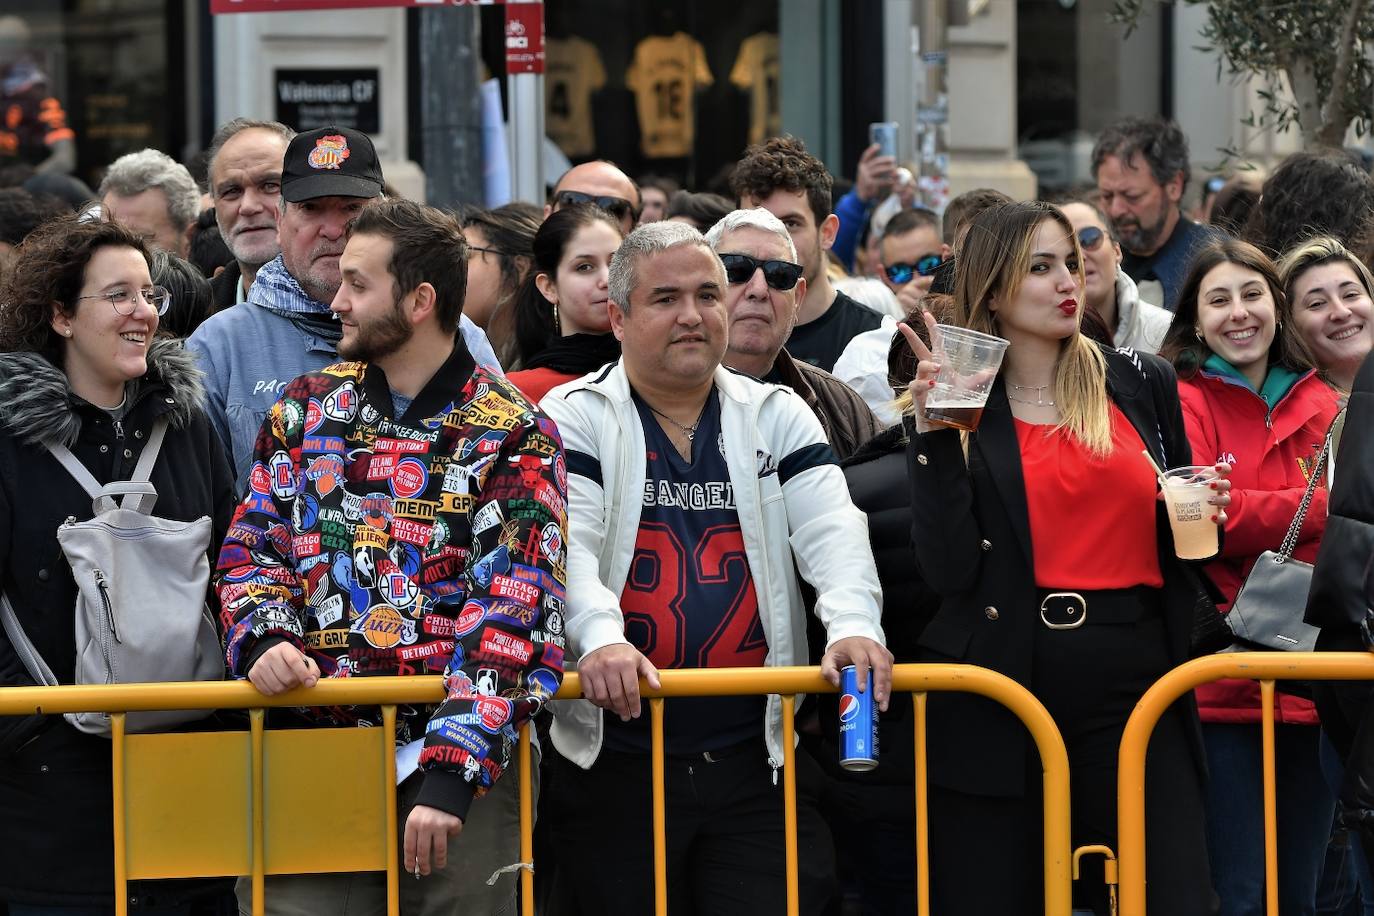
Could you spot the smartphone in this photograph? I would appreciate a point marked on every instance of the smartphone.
(884, 133)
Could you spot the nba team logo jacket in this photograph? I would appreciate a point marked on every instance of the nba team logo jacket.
(433, 543)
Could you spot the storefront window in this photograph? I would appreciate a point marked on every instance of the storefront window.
(673, 88)
(93, 71)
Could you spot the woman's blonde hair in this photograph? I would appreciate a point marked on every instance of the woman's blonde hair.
(993, 263)
(1314, 253)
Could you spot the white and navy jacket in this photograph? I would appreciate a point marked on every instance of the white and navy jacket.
(794, 510)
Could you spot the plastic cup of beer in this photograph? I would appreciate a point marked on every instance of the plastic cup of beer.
(1186, 491)
(968, 362)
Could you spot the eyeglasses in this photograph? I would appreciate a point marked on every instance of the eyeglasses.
(496, 251)
(780, 275)
(902, 273)
(618, 207)
(124, 300)
(1090, 238)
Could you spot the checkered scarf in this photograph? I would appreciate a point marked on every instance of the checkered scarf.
(277, 291)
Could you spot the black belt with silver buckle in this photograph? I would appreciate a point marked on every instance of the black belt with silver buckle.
(1069, 610)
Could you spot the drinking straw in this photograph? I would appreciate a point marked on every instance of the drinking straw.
(1159, 473)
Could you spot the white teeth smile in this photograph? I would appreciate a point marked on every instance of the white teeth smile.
(1347, 332)
(1241, 335)
(133, 338)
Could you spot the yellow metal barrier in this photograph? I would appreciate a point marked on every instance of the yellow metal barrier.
(168, 825)
(1265, 667)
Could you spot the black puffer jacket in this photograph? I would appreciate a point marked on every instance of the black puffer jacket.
(878, 484)
(848, 422)
(55, 801)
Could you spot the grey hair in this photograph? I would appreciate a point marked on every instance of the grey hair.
(1159, 141)
(230, 129)
(135, 173)
(757, 218)
(651, 238)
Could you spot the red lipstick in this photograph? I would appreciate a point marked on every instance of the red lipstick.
(1068, 306)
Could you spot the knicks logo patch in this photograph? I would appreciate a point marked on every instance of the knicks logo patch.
(329, 152)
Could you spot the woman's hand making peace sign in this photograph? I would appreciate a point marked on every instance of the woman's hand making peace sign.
(926, 369)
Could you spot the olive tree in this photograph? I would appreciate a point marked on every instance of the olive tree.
(1319, 45)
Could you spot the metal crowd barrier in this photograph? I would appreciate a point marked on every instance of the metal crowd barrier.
(1265, 667)
(193, 804)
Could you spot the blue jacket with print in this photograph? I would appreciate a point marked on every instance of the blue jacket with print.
(426, 543)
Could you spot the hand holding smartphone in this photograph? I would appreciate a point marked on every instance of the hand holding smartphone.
(884, 134)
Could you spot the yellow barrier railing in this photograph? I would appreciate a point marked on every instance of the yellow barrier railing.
(1265, 667)
(168, 825)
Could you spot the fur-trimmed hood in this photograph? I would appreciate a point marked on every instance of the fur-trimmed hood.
(37, 404)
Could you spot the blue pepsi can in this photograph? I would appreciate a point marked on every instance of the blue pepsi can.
(858, 722)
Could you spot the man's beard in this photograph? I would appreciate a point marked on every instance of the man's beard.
(378, 338)
(1138, 239)
(254, 254)
(321, 289)
(319, 282)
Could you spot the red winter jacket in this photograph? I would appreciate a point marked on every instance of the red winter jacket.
(1271, 454)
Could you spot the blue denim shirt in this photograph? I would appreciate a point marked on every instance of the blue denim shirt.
(248, 355)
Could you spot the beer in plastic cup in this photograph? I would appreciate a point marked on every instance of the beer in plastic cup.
(968, 362)
(1186, 492)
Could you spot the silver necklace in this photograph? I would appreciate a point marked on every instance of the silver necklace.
(1039, 395)
(688, 431)
(1038, 402)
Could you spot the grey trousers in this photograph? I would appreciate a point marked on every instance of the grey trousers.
(490, 840)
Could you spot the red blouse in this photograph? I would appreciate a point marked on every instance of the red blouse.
(535, 383)
(1092, 520)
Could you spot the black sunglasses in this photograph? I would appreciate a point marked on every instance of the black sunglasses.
(780, 275)
(1090, 238)
(902, 273)
(618, 207)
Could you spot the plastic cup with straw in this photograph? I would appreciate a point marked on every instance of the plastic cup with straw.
(1186, 491)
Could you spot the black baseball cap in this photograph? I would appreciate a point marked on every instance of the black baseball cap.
(330, 162)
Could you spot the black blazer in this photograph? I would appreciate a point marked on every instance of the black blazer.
(971, 532)
(1337, 601)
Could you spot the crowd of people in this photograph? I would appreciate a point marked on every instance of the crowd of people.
(646, 428)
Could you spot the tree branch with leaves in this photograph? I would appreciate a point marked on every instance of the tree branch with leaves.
(1318, 45)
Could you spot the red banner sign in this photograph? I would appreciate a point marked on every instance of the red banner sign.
(282, 6)
(524, 38)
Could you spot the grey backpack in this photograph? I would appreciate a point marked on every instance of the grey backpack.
(140, 595)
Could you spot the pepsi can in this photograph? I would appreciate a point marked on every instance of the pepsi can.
(858, 722)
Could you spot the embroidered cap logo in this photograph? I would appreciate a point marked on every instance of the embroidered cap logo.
(329, 152)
